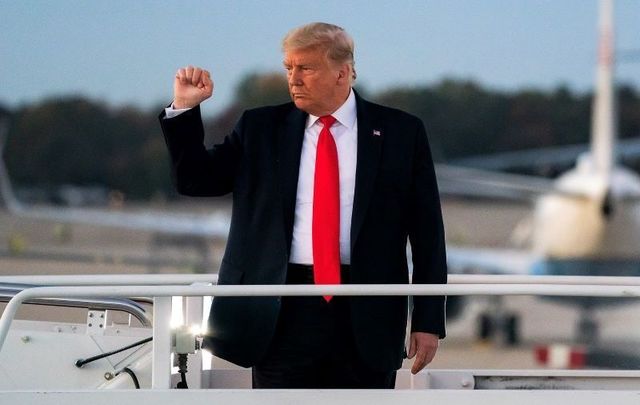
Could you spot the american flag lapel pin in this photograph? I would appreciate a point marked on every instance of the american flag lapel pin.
(377, 132)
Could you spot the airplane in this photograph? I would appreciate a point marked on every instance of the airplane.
(585, 222)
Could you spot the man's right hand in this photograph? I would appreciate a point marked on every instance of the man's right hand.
(191, 87)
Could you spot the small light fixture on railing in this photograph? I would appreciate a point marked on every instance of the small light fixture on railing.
(186, 340)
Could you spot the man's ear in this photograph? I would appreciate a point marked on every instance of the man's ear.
(343, 73)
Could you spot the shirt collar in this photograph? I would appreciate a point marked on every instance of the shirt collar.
(346, 114)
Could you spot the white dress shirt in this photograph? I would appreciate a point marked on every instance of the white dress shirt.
(345, 134)
(171, 112)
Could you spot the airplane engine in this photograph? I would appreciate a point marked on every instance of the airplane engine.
(567, 227)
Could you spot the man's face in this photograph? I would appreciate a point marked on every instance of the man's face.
(316, 85)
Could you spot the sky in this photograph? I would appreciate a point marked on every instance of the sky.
(127, 52)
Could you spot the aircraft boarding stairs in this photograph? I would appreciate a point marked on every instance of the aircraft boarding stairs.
(49, 362)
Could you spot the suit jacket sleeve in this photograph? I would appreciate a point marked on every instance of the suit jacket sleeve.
(197, 171)
(426, 235)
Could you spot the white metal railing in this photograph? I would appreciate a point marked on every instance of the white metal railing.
(163, 287)
(188, 279)
(131, 307)
(119, 279)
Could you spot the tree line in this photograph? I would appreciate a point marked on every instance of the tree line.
(80, 141)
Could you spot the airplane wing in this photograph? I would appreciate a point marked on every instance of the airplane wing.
(468, 182)
(566, 155)
(215, 225)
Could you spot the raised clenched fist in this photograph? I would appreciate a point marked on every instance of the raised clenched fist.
(191, 87)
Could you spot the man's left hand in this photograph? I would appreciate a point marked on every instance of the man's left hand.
(423, 346)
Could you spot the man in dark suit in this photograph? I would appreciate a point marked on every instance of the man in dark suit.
(326, 189)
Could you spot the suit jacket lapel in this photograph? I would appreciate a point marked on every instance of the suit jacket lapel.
(369, 147)
(290, 136)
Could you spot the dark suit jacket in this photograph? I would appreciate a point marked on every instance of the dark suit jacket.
(396, 197)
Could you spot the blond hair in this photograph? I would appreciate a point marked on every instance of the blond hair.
(337, 42)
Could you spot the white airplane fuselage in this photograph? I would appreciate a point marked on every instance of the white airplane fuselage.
(598, 233)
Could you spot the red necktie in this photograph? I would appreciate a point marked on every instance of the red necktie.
(326, 209)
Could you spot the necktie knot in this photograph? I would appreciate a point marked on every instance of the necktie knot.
(327, 121)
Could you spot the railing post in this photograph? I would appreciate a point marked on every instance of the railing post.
(193, 316)
(161, 371)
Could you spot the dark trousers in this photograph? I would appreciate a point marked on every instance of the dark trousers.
(313, 346)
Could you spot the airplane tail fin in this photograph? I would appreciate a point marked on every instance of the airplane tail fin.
(603, 125)
(7, 196)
